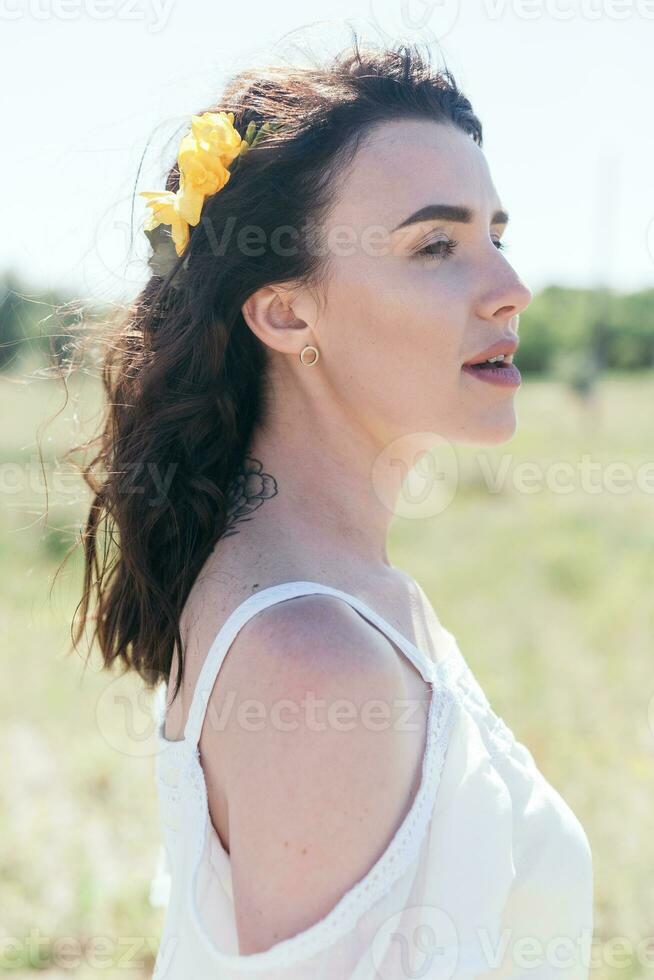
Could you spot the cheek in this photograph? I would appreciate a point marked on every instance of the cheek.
(394, 337)
(393, 301)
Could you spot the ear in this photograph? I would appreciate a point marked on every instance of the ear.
(270, 314)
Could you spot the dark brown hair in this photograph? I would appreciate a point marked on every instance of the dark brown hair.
(184, 376)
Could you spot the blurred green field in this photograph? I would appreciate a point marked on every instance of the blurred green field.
(549, 594)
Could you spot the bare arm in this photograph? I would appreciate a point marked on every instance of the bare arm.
(315, 794)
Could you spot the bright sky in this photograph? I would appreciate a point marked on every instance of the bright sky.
(564, 90)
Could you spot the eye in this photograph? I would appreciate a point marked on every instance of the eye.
(445, 247)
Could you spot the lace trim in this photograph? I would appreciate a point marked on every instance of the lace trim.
(391, 865)
(456, 673)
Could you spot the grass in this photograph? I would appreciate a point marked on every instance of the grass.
(548, 593)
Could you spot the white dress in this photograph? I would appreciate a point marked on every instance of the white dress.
(488, 875)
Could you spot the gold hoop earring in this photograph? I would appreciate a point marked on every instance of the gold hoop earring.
(309, 348)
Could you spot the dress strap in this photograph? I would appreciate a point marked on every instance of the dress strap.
(261, 600)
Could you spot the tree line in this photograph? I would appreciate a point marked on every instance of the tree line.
(568, 332)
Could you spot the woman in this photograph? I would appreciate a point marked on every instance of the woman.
(338, 797)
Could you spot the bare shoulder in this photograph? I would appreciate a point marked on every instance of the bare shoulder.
(319, 774)
(299, 642)
(314, 631)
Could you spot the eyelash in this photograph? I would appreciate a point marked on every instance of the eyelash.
(450, 244)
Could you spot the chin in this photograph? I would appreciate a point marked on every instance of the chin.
(494, 429)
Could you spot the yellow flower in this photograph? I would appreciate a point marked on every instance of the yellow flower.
(203, 158)
(201, 174)
(165, 211)
(215, 132)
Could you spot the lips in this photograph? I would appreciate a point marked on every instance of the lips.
(495, 374)
(506, 345)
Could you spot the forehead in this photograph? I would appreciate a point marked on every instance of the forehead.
(403, 165)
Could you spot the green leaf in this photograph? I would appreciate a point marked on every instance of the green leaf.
(250, 131)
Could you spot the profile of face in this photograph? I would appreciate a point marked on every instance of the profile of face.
(404, 308)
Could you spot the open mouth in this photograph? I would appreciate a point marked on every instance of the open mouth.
(501, 361)
(500, 370)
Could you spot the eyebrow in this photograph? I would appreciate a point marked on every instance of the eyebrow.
(449, 212)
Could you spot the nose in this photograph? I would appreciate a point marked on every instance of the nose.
(506, 298)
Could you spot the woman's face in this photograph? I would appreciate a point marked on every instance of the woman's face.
(397, 326)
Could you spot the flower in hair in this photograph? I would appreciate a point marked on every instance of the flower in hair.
(204, 157)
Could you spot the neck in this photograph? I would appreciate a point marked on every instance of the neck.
(310, 487)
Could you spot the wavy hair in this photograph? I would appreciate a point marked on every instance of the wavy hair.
(184, 376)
